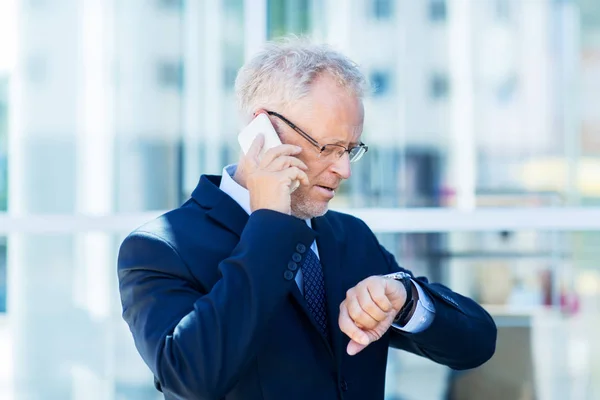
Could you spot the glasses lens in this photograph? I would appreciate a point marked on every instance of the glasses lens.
(328, 152)
(333, 152)
(357, 152)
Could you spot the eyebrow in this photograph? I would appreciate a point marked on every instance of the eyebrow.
(342, 143)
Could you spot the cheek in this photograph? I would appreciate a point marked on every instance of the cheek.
(315, 169)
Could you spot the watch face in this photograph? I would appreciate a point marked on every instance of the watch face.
(398, 275)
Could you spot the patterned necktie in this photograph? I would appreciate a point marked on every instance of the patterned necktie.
(314, 289)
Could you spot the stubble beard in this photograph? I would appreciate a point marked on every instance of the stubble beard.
(303, 208)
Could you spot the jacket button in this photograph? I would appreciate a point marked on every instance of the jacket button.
(296, 257)
(288, 275)
(300, 248)
(292, 266)
(344, 385)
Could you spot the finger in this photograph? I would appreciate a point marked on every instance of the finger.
(256, 147)
(377, 293)
(283, 162)
(354, 348)
(349, 327)
(296, 174)
(278, 151)
(358, 315)
(369, 306)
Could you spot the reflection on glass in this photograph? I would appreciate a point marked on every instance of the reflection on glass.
(542, 289)
(3, 141)
(285, 16)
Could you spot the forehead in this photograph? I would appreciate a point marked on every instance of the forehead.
(330, 113)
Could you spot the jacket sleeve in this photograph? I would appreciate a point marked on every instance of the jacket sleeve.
(462, 334)
(198, 342)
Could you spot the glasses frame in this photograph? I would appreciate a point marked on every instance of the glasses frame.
(362, 148)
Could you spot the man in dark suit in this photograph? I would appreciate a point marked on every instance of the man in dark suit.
(253, 290)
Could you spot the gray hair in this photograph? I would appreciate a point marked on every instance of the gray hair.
(284, 71)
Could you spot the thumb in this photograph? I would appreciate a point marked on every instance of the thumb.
(395, 293)
(355, 348)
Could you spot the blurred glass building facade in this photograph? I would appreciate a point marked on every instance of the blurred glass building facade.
(114, 108)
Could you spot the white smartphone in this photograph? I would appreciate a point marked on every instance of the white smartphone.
(261, 124)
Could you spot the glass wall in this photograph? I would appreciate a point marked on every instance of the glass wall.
(114, 108)
(541, 287)
(3, 142)
(6, 63)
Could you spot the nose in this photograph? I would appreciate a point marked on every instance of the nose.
(342, 166)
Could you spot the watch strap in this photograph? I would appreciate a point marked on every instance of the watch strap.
(404, 313)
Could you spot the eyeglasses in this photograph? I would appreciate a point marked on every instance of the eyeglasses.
(328, 152)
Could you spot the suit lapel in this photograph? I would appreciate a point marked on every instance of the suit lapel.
(222, 209)
(231, 216)
(299, 298)
(331, 249)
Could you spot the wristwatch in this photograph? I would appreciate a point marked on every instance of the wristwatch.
(402, 316)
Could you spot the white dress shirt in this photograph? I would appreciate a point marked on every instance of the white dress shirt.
(424, 311)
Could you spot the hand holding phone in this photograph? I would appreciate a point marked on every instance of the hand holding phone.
(270, 170)
(261, 125)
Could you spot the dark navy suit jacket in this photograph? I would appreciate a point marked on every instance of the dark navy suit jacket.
(210, 298)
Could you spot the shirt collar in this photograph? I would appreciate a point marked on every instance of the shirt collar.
(237, 192)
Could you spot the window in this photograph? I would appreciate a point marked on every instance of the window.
(3, 143)
(380, 83)
(507, 89)
(288, 16)
(439, 86)
(3, 283)
(233, 41)
(3, 184)
(170, 75)
(36, 69)
(229, 75)
(503, 10)
(437, 10)
(38, 3)
(382, 9)
(171, 4)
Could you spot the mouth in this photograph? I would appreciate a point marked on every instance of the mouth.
(328, 188)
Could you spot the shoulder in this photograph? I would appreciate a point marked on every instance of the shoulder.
(347, 222)
(160, 245)
(168, 225)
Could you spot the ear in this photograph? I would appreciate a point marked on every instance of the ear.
(260, 111)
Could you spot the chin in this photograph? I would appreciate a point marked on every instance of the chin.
(310, 210)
